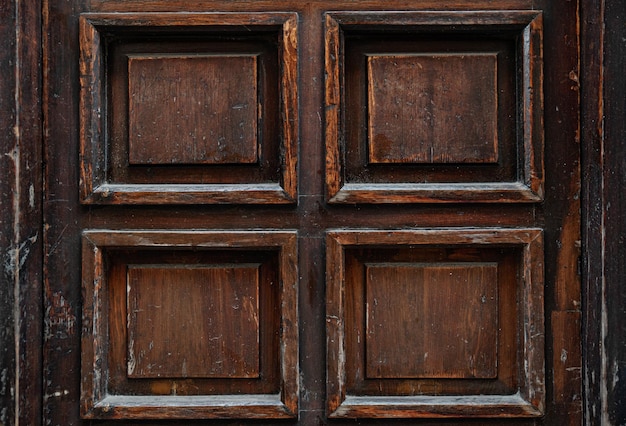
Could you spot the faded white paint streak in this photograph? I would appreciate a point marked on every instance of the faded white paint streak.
(16, 217)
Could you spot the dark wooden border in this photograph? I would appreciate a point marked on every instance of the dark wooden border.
(528, 187)
(96, 403)
(94, 185)
(596, 173)
(604, 210)
(529, 401)
(21, 231)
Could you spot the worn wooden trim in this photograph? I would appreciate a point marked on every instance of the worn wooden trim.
(95, 187)
(382, 193)
(511, 19)
(21, 230)
(529, 401)
(204, 407)
(188, 194)
(484, 406)
(532, 107)
(530, 183)
(333, 102)
(96, 403)
(604, 147)
(593, 233)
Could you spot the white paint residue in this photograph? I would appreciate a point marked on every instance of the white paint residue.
(132, 362)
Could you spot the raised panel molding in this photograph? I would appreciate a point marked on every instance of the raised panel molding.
(189, 324)
(188, 108)
(422, 343)
(193, 321)
(432, 323)
(195, 109)
(433, 107)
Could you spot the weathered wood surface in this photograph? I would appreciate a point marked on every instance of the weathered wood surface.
(124, 322)
(65, 218)
(604, 148)
(20, 213)
(404, 123)
(355, 385)
(189, 117)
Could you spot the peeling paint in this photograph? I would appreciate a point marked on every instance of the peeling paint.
(17, 256)
(31, 196)
(60, 320)
(132, 362)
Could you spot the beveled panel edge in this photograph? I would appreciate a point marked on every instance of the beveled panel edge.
(162, 194)
(191, 407)
(95, 403)
(529, 401)
(514, 19)
(528, 188)
(483, 192)
(482, 406)
(93, 183)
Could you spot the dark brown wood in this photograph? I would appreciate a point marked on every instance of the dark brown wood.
(615, 207)
(8, 303)
(432, 108)
(192, 109)
(604, 144)
(563, 298)
(362, 52)
(193, 321)
(21, 236)
(129, 338)
(593, 260)
(247, 115)
(356, 380)
(173, 230)
(410, 331)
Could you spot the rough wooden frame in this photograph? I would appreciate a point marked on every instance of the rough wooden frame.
(528, 401)
(529, 185)
(95, 188)
(96, 403)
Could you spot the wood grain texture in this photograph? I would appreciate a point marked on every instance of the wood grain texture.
(432, 108)
(130, 119)
(192, 109)
(565, 197)
(258, 357)
(427, 134)
(193, 321)
(604, 135)
(412, 333)
(21, 233)
(171, 208)
(353, 300)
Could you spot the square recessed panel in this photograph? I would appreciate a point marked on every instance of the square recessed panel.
(407, 335)
(193, 109)
(435, 323)
(432, 108)
(189, 324)
(193, 321)
(188, 108)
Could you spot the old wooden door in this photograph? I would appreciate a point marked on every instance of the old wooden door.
(311, 211)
